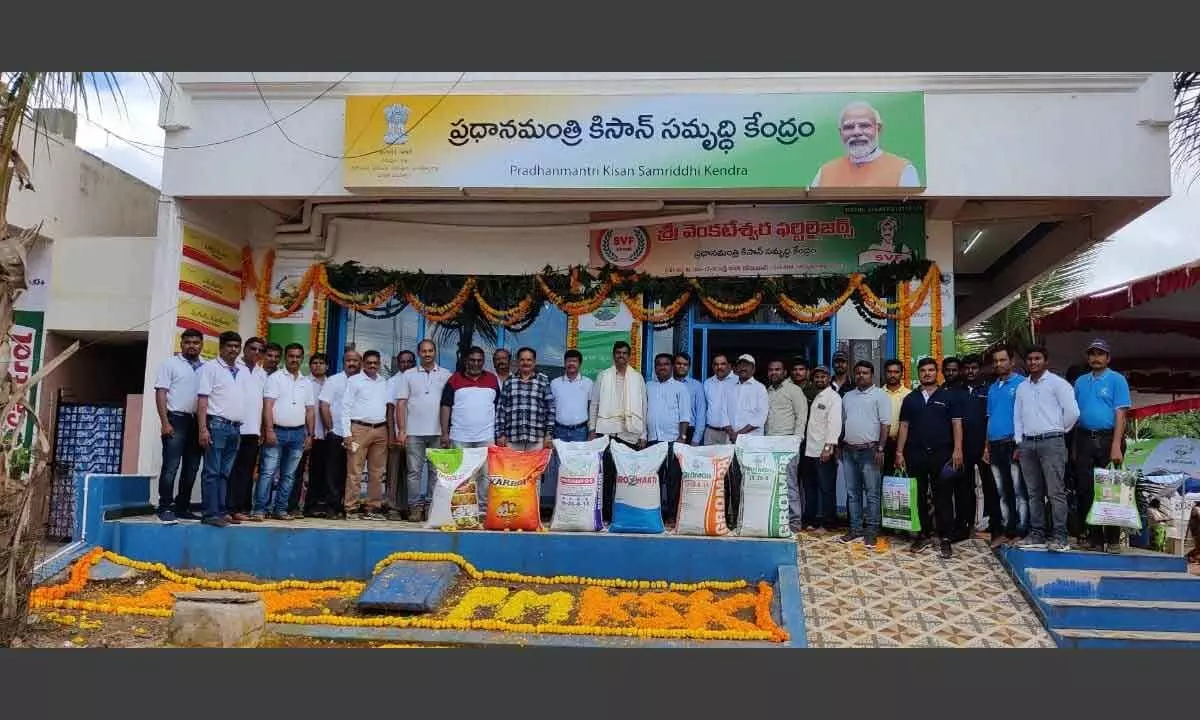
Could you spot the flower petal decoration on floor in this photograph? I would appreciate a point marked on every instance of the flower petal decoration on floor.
(644, 609)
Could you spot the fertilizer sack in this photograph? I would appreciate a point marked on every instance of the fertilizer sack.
(637, 505)
(899, 503)
(512, 497)
(702, 489)
(580, 496)
(1114, 503)
(457, 473)
(764, 461)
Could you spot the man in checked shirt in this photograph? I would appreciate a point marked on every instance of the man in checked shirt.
(525, 412)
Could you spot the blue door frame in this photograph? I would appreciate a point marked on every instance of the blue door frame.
(826, 337)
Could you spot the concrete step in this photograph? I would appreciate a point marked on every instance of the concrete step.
(1091, 638)
(1132, 560)
(1114, 584)
(1128, 615)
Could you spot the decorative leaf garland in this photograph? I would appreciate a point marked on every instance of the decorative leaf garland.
(514, 302)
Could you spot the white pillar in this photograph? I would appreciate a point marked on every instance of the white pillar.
(164, 303)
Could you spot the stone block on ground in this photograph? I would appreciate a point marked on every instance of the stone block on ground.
(409, 586)
(109, 570)
(217, 618)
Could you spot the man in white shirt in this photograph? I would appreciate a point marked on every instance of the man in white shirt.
(287, 433)
(668, 414)
(175, 399)
(220, 386)
(572, 393)
(418, 423)
(718, 393)
(617, 410)
(819, 471)
(748, 416)
(313, 461)
(395, 479)
(364, 434)
(329, 405)
(1044, 412)
(241, 481)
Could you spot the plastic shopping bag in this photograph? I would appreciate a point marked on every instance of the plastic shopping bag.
(1114, 503)
(900, 504)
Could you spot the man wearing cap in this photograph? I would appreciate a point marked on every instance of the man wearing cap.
(1103, 398)
(747, 416)
(819, 467)
(840, 381)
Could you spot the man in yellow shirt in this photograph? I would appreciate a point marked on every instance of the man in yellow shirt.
(893, 374)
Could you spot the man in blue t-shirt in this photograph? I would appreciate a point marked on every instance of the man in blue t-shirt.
(1000, 448)
(1103, 398)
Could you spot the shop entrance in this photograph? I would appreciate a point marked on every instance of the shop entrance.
(774, 340)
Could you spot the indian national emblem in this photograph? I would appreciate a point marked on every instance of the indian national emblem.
(397, 119)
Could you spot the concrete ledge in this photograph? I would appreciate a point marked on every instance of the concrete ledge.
(324, 550)
(483, 638)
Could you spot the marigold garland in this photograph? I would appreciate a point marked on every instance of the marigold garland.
(935, 322)
(311, 593)
(576, 307)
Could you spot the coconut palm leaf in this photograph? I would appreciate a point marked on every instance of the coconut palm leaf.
(1185, 130)
(20, 525)
(1013, 325)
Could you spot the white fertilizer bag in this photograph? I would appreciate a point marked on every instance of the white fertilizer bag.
(457, 474)
(702, 489)
(579, 497)
(764, 461)
(637, 506)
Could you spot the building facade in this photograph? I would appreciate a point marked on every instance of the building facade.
(994, 177)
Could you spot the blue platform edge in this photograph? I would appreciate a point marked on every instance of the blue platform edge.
(273, 552)
(1019, 562)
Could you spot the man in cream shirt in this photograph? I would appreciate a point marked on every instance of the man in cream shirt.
(618, 410)
(329, 405)
(819, 469)
(787, 414)
(418, 422)
(364, 433)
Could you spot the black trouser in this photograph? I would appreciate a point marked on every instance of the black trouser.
(241, 481)
(926, 466)
(733, 493)
(312, 470)
(669, 478)
(889, 458)
(1093, 449)
(819, 480)
(335, 472)
(610, 479)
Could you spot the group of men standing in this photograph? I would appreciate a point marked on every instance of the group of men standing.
(1025, 436)
(241, 411)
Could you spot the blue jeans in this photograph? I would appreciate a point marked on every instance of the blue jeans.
(863, 476)
(182, 448)
(218, 463)
(282, 457)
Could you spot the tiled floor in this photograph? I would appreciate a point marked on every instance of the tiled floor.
(855, 597)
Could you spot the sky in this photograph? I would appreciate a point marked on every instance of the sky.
(1162, 238)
